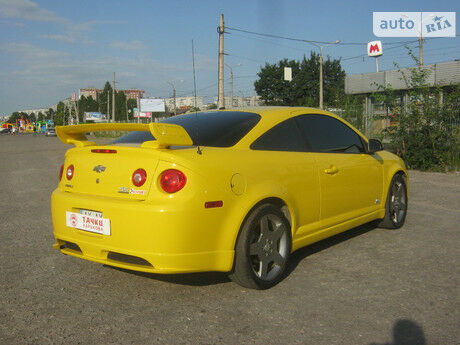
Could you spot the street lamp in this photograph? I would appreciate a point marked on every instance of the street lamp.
(321, 69)
(174, 94)
(231, 83)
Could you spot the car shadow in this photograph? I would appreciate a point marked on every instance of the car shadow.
(214, 278)
(314, 248)
(192, 279)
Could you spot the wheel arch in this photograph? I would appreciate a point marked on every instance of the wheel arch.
(396, 170)
(273, 200)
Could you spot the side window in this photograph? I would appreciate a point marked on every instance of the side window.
(285, 136)
(326, 134)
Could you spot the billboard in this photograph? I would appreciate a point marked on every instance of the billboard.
(142, 114)
(414, 24)
(95, 116)
(152, 105)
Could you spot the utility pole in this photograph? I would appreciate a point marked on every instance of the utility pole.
(220, 30)
(113, 99)
(138, 109)
(76, 111)
(175, 104)
(321, 70)
(231, 85)
(108, 106)
(231, 88)
(321, 77)
(174, 96)
(420, 48)
(420, 42)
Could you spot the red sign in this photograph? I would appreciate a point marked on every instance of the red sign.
(374, 48)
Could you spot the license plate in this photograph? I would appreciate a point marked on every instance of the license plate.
(90, 213)
(88, 221)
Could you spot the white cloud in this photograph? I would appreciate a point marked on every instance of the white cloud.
(27, 10)
(40, 77)
(127, 45)
(60, 37)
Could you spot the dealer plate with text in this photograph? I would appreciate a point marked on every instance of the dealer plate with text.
(91, 221)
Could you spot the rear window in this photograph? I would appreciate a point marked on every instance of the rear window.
(217, 129)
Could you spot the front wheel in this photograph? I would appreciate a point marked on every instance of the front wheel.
(262, 249)
(396, 204)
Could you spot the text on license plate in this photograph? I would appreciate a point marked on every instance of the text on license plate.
(90, 213)
(89, 221)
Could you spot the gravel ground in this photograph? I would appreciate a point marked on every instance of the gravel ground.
(365, 286)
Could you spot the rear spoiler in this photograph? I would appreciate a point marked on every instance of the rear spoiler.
(165, 134)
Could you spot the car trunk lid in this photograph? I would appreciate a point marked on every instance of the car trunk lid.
(108, 170)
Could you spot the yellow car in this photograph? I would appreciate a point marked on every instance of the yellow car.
(232, 191)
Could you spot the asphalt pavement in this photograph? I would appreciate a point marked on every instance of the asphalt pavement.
(366, 286)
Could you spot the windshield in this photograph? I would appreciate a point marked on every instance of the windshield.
(217, 129)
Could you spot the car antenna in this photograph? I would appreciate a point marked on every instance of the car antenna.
(198, 150)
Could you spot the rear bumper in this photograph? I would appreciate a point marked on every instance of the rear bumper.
(144, 236)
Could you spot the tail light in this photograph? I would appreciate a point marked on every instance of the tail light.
(103, 151)
(61, 171)
(69, 172)
(172, 180)
(139, 177)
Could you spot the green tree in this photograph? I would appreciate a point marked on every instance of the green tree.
(60, 115)
(425, 130)
(103, 100)
(40, 116)
(303, 90)
(86, 104)
(351, 109)
(132, 103)
(50, 114)
(120, 106)
(32, 117)
(14, 117)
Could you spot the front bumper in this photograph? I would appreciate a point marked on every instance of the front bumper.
(144, 236)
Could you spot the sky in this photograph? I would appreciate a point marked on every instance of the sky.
(50, 49)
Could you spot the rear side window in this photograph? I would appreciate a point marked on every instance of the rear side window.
(285, 136)
(326, 134)
(217, 129)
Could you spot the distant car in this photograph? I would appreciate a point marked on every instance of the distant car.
(231, 191)
(5, 130)
(50, 132)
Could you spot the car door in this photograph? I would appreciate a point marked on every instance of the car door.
(350, 179)
(283, 151)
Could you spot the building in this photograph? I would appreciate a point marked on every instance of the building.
(184, 103)
(35, 111)
(442, 75)
(95, 93)
(240, 102)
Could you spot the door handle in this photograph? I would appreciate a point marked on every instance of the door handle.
(331, 170)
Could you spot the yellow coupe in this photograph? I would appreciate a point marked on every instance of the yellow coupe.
(234, 191)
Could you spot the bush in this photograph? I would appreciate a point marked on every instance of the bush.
(424, 130)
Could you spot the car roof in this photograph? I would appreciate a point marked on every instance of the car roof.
(272, 115)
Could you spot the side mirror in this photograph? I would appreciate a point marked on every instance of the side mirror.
(375, 145)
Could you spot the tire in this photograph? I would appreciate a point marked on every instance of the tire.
(262, 249)
(396, 204)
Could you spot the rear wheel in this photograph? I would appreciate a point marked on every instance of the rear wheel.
(396, 204)
(262, 249)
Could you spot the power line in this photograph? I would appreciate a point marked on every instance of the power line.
(301, 39)
(264, 41)
(399, 46)
(244, 57)
(286, 38)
